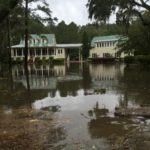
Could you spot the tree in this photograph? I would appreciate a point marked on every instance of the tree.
(138, 38)
(66, 33)
(19, 19)
(101, 10)
(6, 6)
(86, 46)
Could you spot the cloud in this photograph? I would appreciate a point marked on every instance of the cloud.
(70, 10)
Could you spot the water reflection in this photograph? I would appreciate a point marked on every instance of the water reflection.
(130, 85)
(85, 95)
(101, 125)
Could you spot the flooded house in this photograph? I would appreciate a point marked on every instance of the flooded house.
(44, 46)
(105, 47)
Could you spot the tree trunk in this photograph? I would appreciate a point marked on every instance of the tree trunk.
(26, 47)
(9, 42)
(26, 34)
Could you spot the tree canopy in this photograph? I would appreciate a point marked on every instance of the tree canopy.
(101, 10)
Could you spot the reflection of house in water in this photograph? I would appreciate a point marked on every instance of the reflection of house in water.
(105, 76)
(42, 77)
(48, 79)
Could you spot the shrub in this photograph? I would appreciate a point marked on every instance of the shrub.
(58, 61)
(19, 60)
(129, 59)
(45, 61)
(143, 59)
(38, 60)
(51, 59)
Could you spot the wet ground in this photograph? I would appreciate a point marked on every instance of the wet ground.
(71, 107)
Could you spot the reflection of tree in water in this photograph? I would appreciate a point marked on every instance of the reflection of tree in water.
(103, 126)
(135, 86)
(86, 76)
(69, 88)
(28, 86)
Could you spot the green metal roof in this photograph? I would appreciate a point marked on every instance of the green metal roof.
(50, 38)
(105, 39)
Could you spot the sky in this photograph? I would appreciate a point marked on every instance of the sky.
(71, 11)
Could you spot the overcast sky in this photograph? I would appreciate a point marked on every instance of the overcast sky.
(70, 10)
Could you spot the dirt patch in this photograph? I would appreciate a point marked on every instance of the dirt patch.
(27, 129)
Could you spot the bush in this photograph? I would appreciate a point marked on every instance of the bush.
(58, 61)
(19, 60)
(45, 61)
(51, 59)
(143, 59)
(129, 59)
(38, 60)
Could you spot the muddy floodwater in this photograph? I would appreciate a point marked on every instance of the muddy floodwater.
(71, 106)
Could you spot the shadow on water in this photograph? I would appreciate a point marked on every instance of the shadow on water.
(28, 86)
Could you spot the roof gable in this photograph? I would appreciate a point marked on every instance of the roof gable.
(105, 39)
(38, 40)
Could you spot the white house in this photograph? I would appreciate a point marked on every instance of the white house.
(44, 46)
(105, 47)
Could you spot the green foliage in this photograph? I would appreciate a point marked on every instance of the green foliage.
(129, 59)
(6, 6)
(101, 10)
(51, 58)
(66, 33)
(58, 61)
(86, 46)
(143, 59)
(18, 61)
(44, 60)
(38, 60)
(138, 38)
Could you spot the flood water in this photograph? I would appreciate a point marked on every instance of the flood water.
(81, 99)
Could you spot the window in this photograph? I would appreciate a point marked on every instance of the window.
(44, 52)
(44, 41)
(100, 44)
(38, 52)
(59, 51)
(110, 44)
(107, 44)
(34, 41)
(50, 52)
(19, 52)
(94, 55)
(107, 55)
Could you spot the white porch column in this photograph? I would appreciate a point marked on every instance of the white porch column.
(16, 52)
(41, 53)
(28, 53)
(47, 52)
(12, 53)
(80, 55)
(22, 52)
